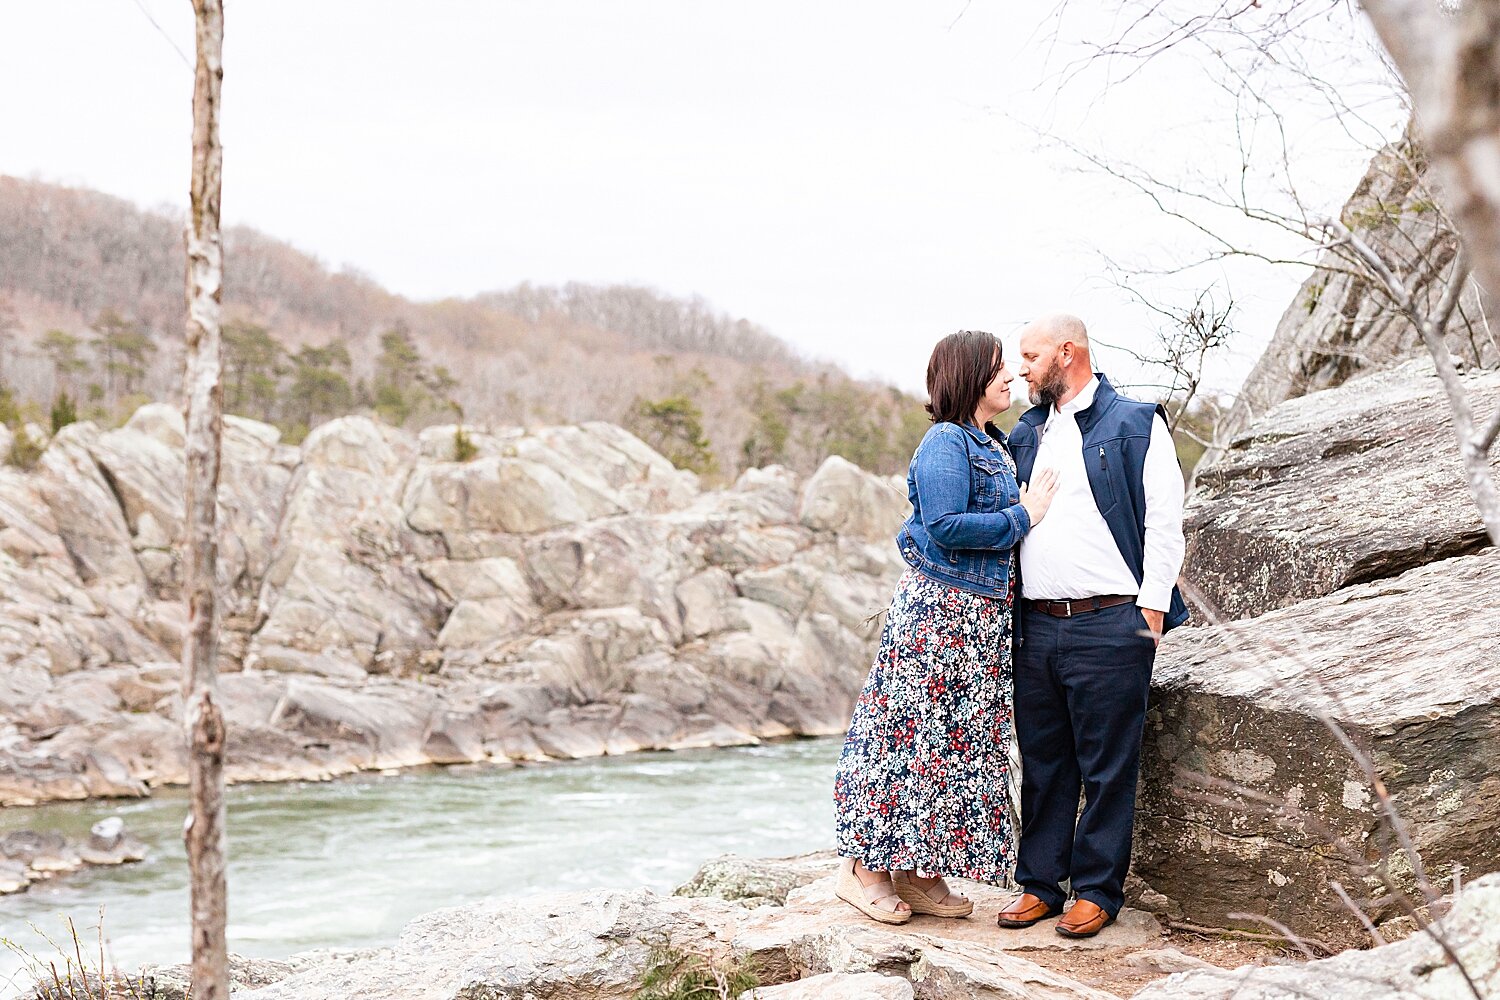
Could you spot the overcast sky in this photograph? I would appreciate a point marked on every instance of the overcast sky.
(859, 178)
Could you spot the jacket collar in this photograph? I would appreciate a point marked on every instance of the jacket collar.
(1104, 398)
(990, 435)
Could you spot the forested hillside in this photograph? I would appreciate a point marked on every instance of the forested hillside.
(91, 317)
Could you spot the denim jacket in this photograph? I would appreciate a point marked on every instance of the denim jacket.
(966, 517)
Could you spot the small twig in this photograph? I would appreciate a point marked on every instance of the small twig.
(1486, 439)
(1182, 925)
(1286, 932)
(1359, 914)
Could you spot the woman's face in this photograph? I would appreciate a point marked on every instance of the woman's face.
(996, 397)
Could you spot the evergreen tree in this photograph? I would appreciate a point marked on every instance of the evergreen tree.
(674, 427)
(254, 362)
(124, 346)
(61, 348)
(63, 412)
(320, 386)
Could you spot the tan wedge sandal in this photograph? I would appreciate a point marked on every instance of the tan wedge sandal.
(936, 900)
(865, 897)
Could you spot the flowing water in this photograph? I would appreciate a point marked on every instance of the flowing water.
(348, 863)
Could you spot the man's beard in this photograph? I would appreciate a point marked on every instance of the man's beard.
(1051, 389)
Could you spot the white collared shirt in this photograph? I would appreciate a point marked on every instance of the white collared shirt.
(1071, 553)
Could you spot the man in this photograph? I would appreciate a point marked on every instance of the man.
(1098, 590)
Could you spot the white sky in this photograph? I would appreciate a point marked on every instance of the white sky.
(859, 178)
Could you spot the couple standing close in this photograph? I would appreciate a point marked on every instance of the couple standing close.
(1076, 519)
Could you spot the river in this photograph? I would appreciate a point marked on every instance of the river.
(347, 863)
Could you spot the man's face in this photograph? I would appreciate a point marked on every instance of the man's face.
(1042, 369)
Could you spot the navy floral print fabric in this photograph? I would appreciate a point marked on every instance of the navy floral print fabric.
(924, 780)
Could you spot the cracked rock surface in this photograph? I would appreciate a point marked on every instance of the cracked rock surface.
(567, 593)
(1343, 486)
(1409, 667)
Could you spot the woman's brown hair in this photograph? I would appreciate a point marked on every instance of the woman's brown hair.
(962, 366)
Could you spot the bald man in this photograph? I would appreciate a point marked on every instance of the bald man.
(1098, 588)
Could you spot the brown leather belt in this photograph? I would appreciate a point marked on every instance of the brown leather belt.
(1080, 605)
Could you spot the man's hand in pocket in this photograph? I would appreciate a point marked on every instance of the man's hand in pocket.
(1153, 622)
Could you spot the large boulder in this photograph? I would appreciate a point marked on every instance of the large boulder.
(837, 986)
(755, 882)
(1335, 328)
(1408, 667)
(1351, 484)
(842, 497)
(144, 467)
(344, 592)
(503, 494)
(88, 515)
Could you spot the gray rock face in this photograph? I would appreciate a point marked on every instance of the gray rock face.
(841, 497)
(1413, 969)
(566, 594)
(806, 931)
(1337, 326)
(1409, 666)
(1339, 487)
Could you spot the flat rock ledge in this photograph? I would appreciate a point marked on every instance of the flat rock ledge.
(598, 946)
(1409, 667)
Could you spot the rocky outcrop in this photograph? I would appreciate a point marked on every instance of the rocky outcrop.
(27, 856)
(1414, 969)
(566, 593)
(1409, 667)
(601, 945)
(1352, 484)
(1339, 324)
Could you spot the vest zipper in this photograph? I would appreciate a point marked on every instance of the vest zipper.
(1102, 466)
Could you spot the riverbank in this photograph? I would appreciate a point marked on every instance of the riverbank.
(347, 863)
(774, 930)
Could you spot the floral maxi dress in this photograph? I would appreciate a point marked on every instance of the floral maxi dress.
(924, 780)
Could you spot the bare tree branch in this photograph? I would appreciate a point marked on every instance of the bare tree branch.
(1431, 326)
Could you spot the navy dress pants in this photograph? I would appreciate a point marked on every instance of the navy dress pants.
(1082, 684)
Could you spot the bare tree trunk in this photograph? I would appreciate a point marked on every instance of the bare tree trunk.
(202, 717)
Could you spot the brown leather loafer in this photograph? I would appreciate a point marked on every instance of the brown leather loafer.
(1025, 911)
(1084, 920)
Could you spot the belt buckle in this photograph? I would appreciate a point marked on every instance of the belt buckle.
(1067, 609)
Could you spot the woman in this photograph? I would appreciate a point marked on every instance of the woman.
(922, 788)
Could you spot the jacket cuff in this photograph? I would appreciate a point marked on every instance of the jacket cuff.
(1021, 518)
